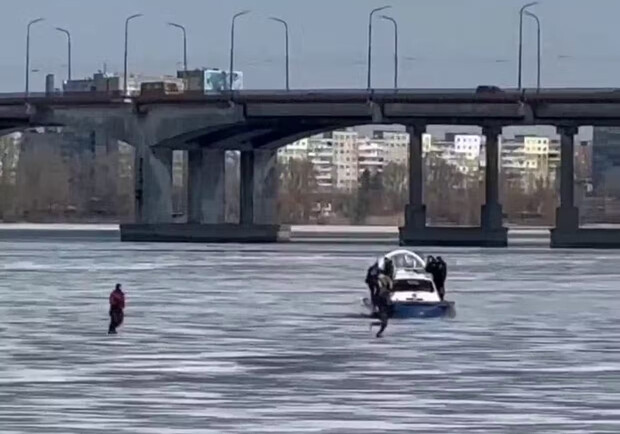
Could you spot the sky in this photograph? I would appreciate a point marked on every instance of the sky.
(443, 43)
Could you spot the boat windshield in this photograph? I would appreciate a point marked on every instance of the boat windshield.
(405, 260)
(419, 285)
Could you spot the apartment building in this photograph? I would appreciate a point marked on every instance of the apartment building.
(340, 157)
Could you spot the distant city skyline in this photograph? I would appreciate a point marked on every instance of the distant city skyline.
(446, 43)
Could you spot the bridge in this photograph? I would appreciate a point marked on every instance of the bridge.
(258, 122)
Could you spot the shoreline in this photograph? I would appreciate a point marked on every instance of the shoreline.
(326, 234)
(518, 236)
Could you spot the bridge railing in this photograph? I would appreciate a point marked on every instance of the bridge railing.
(481, 94)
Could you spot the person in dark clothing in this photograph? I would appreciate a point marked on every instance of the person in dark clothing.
(437, 268)
(383, 301)
(117, 306)
(442, 275)
(372, 276)
(431, 268)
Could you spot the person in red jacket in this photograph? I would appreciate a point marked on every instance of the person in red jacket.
(117, 306)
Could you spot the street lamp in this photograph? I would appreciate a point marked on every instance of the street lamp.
(521, 11)
(370, 37)
(393, 21)
(530, 14)
(232, 45)
(38, 20)
(178, 26)
(66, 32)
(286, 47)
(126, 39)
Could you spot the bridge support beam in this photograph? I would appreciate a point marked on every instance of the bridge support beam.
(259, 188)
(206, 204)
(246, 188)
(567, 233)
(153, 185)
(491, 217)
(266, 185)
(205, 187)
(567, 215)
(258, 196)
(417, 233)
(415, 211)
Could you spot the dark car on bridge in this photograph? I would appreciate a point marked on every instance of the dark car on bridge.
(488, 89)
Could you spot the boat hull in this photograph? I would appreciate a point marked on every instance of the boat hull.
(417, 309)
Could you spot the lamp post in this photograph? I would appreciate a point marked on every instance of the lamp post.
(521, 12)
(232, 45)
(38, 20)
(284, 23)
(530, 14)
(393, 21)
(182, 28)
(370, 39)
(66, 32)
(126, 41)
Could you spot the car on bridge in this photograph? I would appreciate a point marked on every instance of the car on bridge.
(488, 89)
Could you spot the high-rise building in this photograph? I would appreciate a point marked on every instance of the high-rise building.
(395, 145)
(523, 159)
(369, 156)
(344, 146)
(318, 151)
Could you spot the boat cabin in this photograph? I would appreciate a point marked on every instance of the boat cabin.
(411, 283)
(413, 286)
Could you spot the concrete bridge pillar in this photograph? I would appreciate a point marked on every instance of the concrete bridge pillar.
(206, 186)
(246, 188)
(492, 214)
(567, 215)
(259, 188)
(490, 233)
(153, 185)
(266, 187)
(415, 211)
(567, 233)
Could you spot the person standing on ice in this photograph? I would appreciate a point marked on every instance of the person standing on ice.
(117, 308)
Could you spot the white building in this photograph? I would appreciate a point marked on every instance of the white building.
(344, 145)
(536, 146)
(340, 157)
(296, 150)
(369, 156)
(468, 146)
(526, 159)
(395, 145)
(316, 150)
(321, 154)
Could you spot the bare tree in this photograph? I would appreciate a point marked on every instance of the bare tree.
(396, 188)
(42, 183)
(298, 187)
(9, 156)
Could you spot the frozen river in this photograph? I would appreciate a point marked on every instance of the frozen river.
(257, 339)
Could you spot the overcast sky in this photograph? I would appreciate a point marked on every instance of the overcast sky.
(443, 43)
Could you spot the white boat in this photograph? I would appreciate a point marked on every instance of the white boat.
(414, 294)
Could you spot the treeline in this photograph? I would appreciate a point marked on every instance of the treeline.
(451, 197)
(41, 183)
